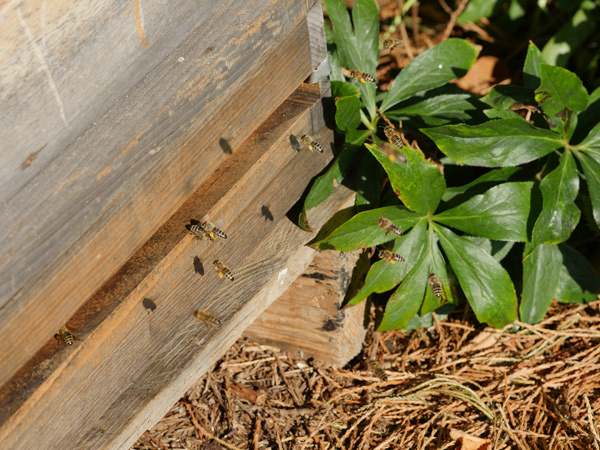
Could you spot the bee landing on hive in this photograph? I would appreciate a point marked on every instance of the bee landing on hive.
(311, 144)
(205, 230)
(206, 318)
(66, 335)
(222, 270)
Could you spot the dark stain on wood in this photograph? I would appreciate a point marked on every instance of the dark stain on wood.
(333, 323)
(198, 266)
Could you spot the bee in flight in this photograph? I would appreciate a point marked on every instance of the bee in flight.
(378, 371)
(436, 284)
(390, 257)
(66, 335)
(387, 225)
(206, 230)
(361, 76)
(391, 43)
(223, 270)
(311, 143)
(206, 318)
(392, 136)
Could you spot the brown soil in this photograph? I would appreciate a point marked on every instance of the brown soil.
(447, 386)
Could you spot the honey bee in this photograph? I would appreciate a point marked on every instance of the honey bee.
(311, 143)
(206, 318)
(390, 257)
(392, 136)
(222, 270)
(378, 371)
(391, 43)
(436, 285)
(205, 230)
(66, 335)
(361, 76)
(211, 230)
(387, 225)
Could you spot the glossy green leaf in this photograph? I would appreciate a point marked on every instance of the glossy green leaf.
(500, 213)
(355, 44)
(446, 61)
(504, 96)
(498, 249)
(418, 183)
(436, 110)
(591, 144)
(504, 142)
(486, 284)
(578, 280)
(363, 230)
(570, 36)
(532, 69)
(368, 184)
(384, 276)
(324, 185)
(335, 60)
(347, 112)
(559, 215)
(365, 17)
(476, 9)
(541, 270)
(407, 299)
(591, 170)
(561, 95)
(344, 89)
(479, 185)
(587, 121)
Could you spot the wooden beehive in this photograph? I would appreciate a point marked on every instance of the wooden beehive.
(122, 122)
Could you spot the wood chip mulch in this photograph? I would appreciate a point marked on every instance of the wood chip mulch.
(453, 386)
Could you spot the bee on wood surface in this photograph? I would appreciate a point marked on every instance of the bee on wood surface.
(391, 43)
(311, 143)
(390, 257)
(66, 335)
(387, 225)
(206, 318)
(198, 232)
(436, 285)
(392, 136)
(222, 270)
(378, 371)
(211, 230)
(361, 76)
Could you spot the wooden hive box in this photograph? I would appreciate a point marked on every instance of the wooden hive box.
(121, 123)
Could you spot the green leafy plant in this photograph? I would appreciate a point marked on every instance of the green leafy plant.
(461, 233)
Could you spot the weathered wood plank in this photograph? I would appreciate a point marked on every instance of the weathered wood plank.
(93, 206)
(307, 317)
(128, 362)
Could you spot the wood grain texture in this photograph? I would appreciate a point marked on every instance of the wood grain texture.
(129, 365)
(318, 54)
(89, 209)
(307, 318)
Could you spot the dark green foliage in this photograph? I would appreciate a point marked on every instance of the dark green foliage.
(525, 189)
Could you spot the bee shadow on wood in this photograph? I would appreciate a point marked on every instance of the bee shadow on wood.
(198, 266)
(266, 213)
(225, 146)
(149, 305)
(295, 143)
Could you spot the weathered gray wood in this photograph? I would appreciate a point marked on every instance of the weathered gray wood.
(130, 365)
(307, 320)
(318, 58)
(91, 207)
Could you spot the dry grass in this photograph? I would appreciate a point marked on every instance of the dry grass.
(536, 388)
